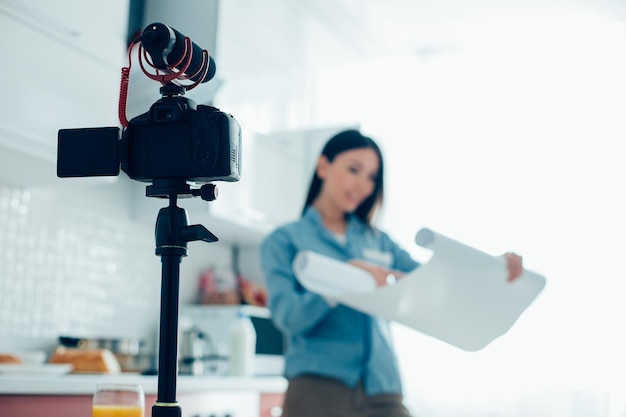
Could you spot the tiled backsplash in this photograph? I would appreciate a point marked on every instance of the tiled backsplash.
(75, 263)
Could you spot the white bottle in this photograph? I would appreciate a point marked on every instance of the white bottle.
(242, 346)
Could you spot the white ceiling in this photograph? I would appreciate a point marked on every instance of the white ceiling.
(270, 52)
(271, 37)
(318, 30)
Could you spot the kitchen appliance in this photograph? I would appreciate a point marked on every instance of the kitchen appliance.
(197, 354)
(216, 321)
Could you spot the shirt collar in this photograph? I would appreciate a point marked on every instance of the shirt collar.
(312, 214)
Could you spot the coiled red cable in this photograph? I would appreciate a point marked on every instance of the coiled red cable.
(121, 107)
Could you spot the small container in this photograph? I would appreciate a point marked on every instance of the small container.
(195, 346)
(242, 346)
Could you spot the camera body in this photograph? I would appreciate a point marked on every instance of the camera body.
(175, 139)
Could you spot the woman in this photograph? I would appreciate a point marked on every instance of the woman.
(339, 361)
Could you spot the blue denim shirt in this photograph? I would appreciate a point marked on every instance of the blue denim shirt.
(337, 342)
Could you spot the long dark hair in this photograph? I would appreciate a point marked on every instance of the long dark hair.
(342, 142)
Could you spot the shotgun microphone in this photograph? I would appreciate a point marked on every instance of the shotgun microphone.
(166, 47)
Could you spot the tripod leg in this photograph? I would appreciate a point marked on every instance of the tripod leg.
(168, 338)
(171, 250)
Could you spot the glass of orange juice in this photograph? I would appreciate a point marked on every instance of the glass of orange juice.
(118, 400)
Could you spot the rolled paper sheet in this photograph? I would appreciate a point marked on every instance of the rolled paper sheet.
(460, 296)
(330, 277)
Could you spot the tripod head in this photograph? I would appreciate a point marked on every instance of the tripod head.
(172, 230)
(166, 188)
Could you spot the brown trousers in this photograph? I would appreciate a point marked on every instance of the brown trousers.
(313, 396)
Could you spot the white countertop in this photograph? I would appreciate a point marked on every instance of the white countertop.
(75, 384)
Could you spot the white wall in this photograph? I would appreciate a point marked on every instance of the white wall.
(74, 262)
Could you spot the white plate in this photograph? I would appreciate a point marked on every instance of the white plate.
(31, 357)
(35, 370)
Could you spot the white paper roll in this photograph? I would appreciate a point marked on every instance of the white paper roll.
(461, 296)
(329, 277)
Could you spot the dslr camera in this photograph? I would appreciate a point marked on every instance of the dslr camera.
(177, 140)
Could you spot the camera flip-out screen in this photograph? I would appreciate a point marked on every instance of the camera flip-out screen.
(88, 152)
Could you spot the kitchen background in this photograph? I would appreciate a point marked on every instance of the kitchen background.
(501, 123)
(82, 266)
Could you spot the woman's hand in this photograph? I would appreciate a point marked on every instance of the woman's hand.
(383, 276)
(514, 265)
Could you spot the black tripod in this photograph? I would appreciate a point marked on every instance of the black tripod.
(172, 233)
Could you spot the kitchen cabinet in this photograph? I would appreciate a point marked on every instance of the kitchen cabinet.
(271, 404)
(71, 395)
(245, 404)
(271, 189)
(60, 69)
(197, 404)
